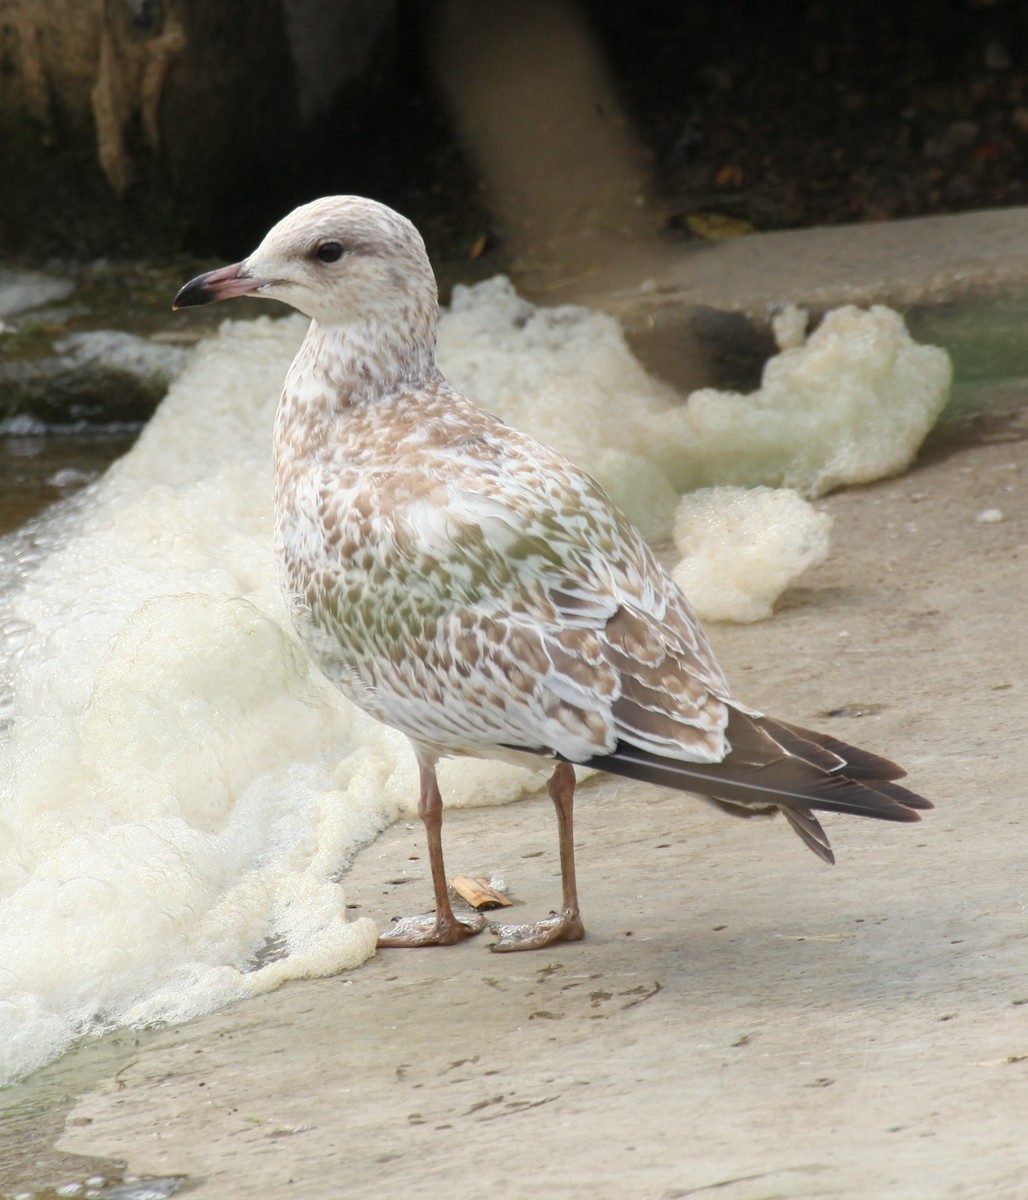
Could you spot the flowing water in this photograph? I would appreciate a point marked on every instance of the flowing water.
(180, 791)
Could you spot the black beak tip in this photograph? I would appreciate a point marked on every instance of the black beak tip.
(195, 292)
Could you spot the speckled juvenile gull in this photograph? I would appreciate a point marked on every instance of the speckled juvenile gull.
(479, 592)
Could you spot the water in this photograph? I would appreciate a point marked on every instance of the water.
(40, 467)
(985, 338)
(180, 790)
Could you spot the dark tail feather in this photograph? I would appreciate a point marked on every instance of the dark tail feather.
(851, 760)
(788, 783)
(894, 792)
(785, 781)
(806, 826)
(871, 769)
(808, 829)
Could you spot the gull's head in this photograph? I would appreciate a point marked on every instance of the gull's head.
(339, 260)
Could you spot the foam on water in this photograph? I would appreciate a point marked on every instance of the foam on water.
(179, 788)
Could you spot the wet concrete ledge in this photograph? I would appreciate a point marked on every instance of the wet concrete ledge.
(901, 263)
(699, 314)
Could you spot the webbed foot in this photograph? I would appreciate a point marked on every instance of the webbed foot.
(431, 930)
(561, 927)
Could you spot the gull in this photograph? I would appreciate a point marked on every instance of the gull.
(476, 590)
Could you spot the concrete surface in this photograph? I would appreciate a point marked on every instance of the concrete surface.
(914, 261)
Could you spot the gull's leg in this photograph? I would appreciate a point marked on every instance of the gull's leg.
(565, 926)
(441, 928)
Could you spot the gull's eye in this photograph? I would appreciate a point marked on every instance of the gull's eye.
(329, 252)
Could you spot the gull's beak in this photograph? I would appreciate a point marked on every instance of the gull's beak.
(222, 284)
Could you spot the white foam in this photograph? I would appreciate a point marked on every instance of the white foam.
(743, 547)
(851, 404)
(178, 787)
(124, 352)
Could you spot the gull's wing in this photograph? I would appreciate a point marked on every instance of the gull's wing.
(497, 598)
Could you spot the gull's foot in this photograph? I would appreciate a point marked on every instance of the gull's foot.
(561, 927)
(428, 930)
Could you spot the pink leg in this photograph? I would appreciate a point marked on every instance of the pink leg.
(565, 926)
(441, 928)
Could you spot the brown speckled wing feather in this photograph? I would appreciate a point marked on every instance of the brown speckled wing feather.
(506, 602)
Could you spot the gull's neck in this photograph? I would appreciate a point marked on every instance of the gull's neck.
(359, 363)
(344, 368)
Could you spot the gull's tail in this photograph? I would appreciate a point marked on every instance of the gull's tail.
(775, 767)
